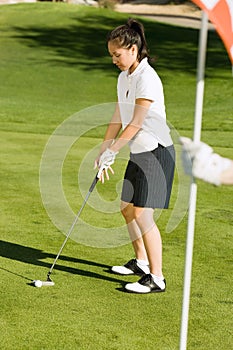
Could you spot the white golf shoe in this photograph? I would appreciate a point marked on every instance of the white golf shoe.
(132, 267)
(146, 285)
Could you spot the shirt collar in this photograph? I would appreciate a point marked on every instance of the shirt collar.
(139, 68)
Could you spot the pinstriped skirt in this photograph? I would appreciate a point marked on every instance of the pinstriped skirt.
(148, 178)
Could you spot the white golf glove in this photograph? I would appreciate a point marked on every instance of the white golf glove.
(206, 165)
(107, 158)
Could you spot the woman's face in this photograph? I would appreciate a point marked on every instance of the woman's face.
(123, 58)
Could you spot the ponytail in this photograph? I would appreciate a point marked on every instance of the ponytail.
(129, 34)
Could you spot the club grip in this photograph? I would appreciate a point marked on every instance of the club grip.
(96, 179)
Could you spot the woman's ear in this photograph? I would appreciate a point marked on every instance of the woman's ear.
(134, 49)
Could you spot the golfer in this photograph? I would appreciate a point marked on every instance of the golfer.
(140, 121)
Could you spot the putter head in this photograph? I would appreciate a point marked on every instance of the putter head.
(39, 283)
(48, 283)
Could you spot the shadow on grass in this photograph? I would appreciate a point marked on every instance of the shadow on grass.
(83, 43)
(34, 256)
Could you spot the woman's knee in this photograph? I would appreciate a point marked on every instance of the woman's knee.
(127, 211)
(138, 215)
(143, 217)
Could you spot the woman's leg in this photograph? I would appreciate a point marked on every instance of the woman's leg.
(127, 210)
(151, 238)
(153, 280)
(145, 235)
(140, 265)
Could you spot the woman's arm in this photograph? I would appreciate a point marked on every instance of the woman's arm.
(140, 111)
(111, 147)
(112, 131)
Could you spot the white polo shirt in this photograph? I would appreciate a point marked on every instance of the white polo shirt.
(144, 82)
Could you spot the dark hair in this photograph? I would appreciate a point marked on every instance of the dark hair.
(129, 34)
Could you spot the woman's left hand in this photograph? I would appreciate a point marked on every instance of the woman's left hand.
(104, 163)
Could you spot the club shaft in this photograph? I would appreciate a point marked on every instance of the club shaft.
(74, 223)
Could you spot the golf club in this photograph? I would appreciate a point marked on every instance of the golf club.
(49, 282)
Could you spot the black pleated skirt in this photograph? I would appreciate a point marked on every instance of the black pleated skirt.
(148, 178)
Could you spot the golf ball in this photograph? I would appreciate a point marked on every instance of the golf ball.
(38, 283)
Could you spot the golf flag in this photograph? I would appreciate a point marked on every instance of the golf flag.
(220, 13)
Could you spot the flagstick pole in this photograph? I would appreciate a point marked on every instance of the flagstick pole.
(193, 188)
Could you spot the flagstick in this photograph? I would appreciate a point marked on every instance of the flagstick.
(193, 188)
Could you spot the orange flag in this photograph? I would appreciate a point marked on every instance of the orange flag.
(220, 13)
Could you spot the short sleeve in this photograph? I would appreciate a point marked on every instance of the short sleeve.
(149, 86)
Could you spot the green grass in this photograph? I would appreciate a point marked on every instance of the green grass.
(54, 63)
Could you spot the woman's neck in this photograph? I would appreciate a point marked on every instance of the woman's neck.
(133, 67)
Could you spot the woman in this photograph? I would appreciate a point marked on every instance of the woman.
(140, 115)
